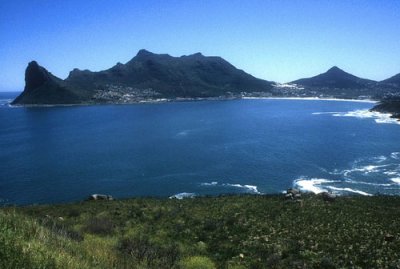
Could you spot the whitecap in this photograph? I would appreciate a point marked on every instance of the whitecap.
(366, 114)
(391, 173)
(396, 180)
(249, 188)
(366, 169)
(312, 185)
(380, 159)
(246, 188)
(5, 102)
(182, 195)
(349, 190)
(395, 155)
(213, 183)
(183, 133)
(367, 183)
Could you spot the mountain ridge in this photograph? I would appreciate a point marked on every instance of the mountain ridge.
(146, 76)
(149, 76)
(335, 78)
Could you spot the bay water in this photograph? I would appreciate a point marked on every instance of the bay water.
(183, 149)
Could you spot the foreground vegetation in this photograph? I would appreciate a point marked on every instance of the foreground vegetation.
(209, 232)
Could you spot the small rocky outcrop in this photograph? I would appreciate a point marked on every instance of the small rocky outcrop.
(97, 197)
(293, 194)
(328, 197)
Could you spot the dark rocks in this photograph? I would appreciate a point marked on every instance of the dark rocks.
(391, 105)
(293, 194)
(35, 76)
(389, 237)
(328, 197)
(97, 197)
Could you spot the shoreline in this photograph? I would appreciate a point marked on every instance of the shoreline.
(181, 99)
(315, 99)
(192, 196)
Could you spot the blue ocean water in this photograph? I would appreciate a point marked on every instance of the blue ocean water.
(63, 154)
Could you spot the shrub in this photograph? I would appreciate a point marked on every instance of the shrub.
(197, 262)
(100, 226)
(12, 254)
(142, 250)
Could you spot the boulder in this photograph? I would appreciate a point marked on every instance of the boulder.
(97, 197)
(293, 194)
(328, 197)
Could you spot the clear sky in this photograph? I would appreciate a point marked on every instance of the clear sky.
(280, 40)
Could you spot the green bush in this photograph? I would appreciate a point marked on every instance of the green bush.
(12, 254)
(100, 226)
(197, 262)
(143, 251)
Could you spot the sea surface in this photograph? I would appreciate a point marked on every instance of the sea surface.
(183, 149)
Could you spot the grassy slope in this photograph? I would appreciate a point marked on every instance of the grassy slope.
(225, 232)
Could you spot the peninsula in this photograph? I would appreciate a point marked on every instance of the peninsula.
(150, 77)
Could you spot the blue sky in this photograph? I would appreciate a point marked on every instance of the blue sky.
(274, 40)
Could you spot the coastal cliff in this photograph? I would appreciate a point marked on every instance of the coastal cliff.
(391, 106)
(147, 76)
(153, 77)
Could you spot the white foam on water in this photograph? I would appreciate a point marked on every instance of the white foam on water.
(213, 183)
(247, 188)
(380, 159)
(367, 183)
(349, 190)
(391, 173)
(182, 195)
(366, 114)
(366, 169)
(395, 155)
(314, 99)
(313, 185)
(183, 133)
(5, 102)
(396, 180)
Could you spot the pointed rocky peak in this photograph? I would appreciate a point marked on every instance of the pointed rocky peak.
(35, 76)
(337, 73)
(335, 69)
(144, 53)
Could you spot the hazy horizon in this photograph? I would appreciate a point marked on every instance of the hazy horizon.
(272, 40)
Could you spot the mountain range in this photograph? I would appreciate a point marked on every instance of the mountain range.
(149, 76)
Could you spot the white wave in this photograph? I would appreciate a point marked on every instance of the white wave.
(367, 169)
(366, 114)
(314, 99)
(5, 102)
(247, 188)
(349, 190)
(379, 159)
(213, 183)
(396, 180)
(391, 173)
(395, 155)
(250, 188)
(182, 195)
(367, 183)
(183, 133)
(312, 185)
